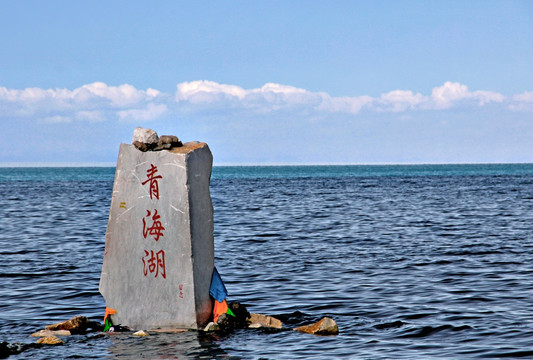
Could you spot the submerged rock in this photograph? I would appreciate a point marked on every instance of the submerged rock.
(76, 325)
(45, 333)
(7, 349)
(141, 333)
(259, 320)
(212, 327)
(50, 340)
(326, 326)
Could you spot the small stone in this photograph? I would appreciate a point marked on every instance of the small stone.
(212, 327)
(255, 326)
(50, 340)
(326, 326)
(141, 333)
(46, 333)
(76, 325)
(169, 139)
(145, 136)
(266, 321)
(141, 146)
(167, 142)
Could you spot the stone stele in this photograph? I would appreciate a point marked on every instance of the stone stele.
(159, 252)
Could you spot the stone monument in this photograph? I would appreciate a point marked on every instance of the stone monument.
(159, 252)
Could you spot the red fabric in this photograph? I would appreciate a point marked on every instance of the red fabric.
(219, 309)
(109, 311)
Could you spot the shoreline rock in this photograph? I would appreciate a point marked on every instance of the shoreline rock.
(50, 340)
(46, 333)
(260, 320)
(76, 325)
(141, 333)
(326, 326)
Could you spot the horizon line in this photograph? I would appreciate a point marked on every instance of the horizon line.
(231, 164)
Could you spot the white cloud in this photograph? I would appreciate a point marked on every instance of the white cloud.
(401, 100)
(207, 91)
(449, 94)
(522, 102)
(274, 97)
(92, 102)
(485, 97)
(267, 98)
(443, 96)
(526, 96)
(98, 101)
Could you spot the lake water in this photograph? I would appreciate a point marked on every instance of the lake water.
(423, 261)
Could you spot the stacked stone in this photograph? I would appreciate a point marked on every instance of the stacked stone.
(148, 140)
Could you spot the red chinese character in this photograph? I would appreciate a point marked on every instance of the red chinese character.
(154, 185)
(181, 291)
(154, 262)
(156, 230)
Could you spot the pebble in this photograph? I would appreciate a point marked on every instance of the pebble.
(212, 327)
(141, 333)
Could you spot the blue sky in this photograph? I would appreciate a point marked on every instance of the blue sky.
(269, 81)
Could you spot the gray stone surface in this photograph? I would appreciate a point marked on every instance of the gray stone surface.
(152, 216)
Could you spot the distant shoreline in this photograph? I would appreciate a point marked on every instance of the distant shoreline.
(113, 164)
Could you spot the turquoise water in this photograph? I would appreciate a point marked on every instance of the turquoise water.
(262, 172)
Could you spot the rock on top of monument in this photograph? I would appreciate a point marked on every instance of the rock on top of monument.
(147, 139)
(168, 142)
(145, 136)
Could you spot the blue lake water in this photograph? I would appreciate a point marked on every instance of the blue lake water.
(422, 261)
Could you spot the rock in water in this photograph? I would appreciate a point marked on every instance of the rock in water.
(7, 349)
(326, 326)
(212, 327)
(265, 321)
(76, 325)
(50, 340)
(141, 333)
(45, 333)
